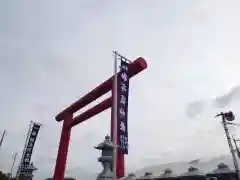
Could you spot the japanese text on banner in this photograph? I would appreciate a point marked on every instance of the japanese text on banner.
(123, 88)
(28, 151)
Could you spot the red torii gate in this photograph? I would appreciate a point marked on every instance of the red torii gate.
(69, 121)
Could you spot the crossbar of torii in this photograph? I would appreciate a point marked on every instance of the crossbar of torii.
(69, 121)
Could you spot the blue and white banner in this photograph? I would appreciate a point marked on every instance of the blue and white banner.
(29, 149)
(123, 90)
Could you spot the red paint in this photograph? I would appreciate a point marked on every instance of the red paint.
(135, 67)
(120, 156)
(92, 111)
(67, 115)
(63, 148)
(120, 165)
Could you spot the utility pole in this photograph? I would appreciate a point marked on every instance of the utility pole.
(4, 132)
(229, 117)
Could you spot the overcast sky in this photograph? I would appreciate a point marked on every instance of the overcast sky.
(53, 52)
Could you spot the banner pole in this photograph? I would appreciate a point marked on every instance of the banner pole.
(24, 149)
(115, 117)
(14, 159)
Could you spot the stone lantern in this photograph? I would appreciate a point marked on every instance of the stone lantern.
(106, 159)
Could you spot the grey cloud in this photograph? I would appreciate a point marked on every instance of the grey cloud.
(198, 107)
(195, 108)
(227, 98)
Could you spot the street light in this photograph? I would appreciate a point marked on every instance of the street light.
(226, 118)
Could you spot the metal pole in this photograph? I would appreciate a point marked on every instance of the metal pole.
(14, 159)
(4, 132)
(236, 146)
(230, 144)
(24, 149)
(235, 142)
(115, 117)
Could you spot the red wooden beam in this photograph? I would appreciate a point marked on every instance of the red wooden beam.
(63, 149)
(135, 67)
(92, 111)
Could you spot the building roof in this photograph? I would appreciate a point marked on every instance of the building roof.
(221, 169)
(193, 171)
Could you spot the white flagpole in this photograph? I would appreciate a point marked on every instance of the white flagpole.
(115, 118)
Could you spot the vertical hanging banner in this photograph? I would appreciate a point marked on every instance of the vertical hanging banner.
(123, 90)
(29, 148)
